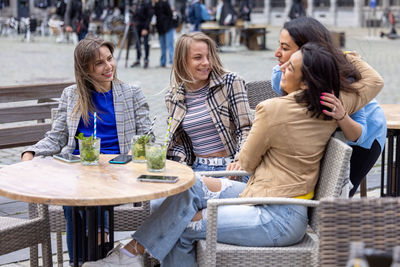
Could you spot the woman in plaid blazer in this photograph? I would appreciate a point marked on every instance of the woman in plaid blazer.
(121, 109)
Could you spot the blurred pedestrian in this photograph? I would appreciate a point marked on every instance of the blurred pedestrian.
(297, 10)
(142, 12)
(77, 17)
(195, 17)
(166, 30)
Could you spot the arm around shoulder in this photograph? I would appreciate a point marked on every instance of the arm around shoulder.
(370, 84)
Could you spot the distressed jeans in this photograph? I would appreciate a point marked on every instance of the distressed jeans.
(170, 236)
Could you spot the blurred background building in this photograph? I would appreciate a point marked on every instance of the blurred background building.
(354, 13)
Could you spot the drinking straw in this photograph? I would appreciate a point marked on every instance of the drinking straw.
(152, 125)
(168, 129)
(95, 125)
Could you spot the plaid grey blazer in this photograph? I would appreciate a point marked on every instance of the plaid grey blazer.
(131, 115)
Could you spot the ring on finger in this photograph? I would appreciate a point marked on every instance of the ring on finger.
(334, 108)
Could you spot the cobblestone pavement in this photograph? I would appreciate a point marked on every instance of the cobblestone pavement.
(44, 60)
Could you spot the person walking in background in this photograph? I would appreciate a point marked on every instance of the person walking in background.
(142, 12)
(195, 17)
(166, 30)
(121, 108)
(297, 10)
(77, 17)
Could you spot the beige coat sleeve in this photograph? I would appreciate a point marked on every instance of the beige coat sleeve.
(258, 140)
(369, 86)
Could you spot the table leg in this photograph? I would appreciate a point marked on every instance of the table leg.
(383, 171)
(92, 233)
(397, 164)
(389, 185)
(75, 215)
(87, 218)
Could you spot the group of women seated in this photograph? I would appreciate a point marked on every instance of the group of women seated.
(212, 129)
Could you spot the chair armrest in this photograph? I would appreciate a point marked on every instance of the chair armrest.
(223, 173)
(212, 215)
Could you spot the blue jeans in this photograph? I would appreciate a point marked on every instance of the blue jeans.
(169, 235)
(197, 167)
(70, 233)
(167, 43)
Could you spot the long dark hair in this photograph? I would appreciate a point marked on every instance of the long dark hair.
(321, 74)
(305, 29)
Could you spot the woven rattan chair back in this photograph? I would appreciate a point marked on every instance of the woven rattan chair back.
(375, 221)
(258, 91)
(333, 175)
(17, 233)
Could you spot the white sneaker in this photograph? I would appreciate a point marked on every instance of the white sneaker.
(116, 258)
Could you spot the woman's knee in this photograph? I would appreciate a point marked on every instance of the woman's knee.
(213, 184)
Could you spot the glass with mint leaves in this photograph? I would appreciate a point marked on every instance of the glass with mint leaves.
(138, 147)
(156, 156)
(89, 149)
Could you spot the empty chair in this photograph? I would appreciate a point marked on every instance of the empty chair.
(16, 234)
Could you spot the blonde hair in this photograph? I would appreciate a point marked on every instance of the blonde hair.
(85, 54)
(180, 73)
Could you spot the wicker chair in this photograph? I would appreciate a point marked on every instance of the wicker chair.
(375, 221)
(258, 91)
(126, 218)
(334, 171)
(16, 234)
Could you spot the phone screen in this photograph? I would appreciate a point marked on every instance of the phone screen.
(121, 159)
(67, 157)
(157, 178)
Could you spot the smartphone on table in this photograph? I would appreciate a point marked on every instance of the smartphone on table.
(157, 178)
(121, 159)
(67, 157)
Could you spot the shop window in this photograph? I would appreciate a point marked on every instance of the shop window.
(394, 2)
(345, 3)
(321, 3)
(378, 2)
(278, 3)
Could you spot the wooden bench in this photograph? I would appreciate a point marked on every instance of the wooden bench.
(25, 124)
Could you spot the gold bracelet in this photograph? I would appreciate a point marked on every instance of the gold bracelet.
(342, 117)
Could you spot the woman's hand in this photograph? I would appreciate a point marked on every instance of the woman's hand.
(331, 101)
(27, 156)
(233, 166)
(352, 130)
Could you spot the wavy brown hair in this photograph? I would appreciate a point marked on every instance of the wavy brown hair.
(180, 73)
(85, 54)
(306, 29)
(320, 73)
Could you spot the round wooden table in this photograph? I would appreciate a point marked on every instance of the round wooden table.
(51, 181)
(392, 114)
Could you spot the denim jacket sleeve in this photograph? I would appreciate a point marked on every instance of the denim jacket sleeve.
(276, 76)
(360, 118)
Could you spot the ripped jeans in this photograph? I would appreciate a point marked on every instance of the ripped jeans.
(170, 236)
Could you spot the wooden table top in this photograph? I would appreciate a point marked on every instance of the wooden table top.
(392, 114)
(51, 181)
